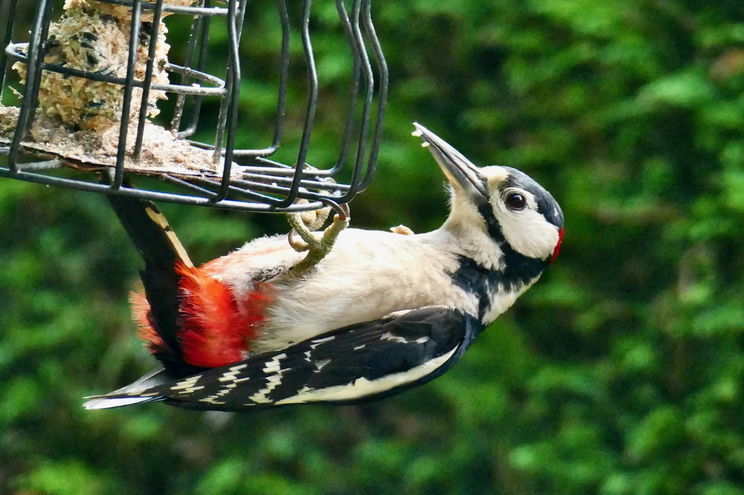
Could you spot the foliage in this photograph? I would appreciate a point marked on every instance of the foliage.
(619, 373)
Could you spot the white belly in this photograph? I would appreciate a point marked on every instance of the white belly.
(366, 276)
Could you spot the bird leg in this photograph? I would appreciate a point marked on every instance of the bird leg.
(317, 245)
(304, 224)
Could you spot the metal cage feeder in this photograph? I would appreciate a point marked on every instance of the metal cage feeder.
(223, 176)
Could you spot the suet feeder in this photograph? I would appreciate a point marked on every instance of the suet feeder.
(79, 98)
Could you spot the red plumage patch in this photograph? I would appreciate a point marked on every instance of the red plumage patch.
(557, 248)
(214, 329)
(145, 327)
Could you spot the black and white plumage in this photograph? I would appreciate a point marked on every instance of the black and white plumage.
(359, 362)
(381, 313)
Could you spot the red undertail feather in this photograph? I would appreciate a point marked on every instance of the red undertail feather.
(215, 330)
(146, 330)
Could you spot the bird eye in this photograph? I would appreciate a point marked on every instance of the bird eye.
(516, 201)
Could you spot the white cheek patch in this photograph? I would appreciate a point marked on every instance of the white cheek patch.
(528, 233)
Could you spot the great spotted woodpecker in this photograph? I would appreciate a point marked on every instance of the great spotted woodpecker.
(381, 313)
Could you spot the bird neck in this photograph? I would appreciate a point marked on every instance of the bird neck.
(488, 267)
(468, 237)
(496, 290)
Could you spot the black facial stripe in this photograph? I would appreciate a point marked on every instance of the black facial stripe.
(478, 280)
(475, 279)
(482, 282)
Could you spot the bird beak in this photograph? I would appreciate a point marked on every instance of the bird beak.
(460, 171)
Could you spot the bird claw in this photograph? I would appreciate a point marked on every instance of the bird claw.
(297, 244)
(316, 245)
(308, 240)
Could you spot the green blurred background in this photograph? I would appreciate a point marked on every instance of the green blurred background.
(619, 373)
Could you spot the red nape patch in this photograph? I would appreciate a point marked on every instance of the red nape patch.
(145, 327)
(557, 249)
(214, 330)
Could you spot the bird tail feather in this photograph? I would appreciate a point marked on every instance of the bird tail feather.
(162, 253)
(134, 393)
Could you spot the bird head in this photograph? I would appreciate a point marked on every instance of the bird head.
(496, 211)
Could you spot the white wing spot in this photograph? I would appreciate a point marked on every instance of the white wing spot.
(272, 381)
(187, 386)
(233, 380)
(317, 342)
(232, 374)
(394, 338)
(320, 364)
(273, 366)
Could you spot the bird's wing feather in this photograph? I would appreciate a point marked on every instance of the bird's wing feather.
(353, 364)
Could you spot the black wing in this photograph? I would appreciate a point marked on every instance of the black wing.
(357, 363)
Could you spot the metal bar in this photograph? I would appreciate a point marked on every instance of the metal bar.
(229, 81)
(382, 93)
(275, 168)
(127, 99)
(37, 68)
(235, 190)
(199, 38)
(240, 192)
(178, 108)
(232, 116)
(241, 18)
(281, 103)
(309, 184)
(288, 169)
(172, 9)
(312, 103)
(256, 196)
(254, 186)
(203, 45)
(196, 36)
(7, 37)
(147, 83)
(195, 74)
(219, 90)
(24, 116)
(233, 98)
(364, 120)
(309, 195)
(187, 185)
(356, 67)
(154, 195)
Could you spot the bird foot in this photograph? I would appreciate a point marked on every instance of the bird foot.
(317, 244)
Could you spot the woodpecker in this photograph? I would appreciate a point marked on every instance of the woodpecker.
(382, 312)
